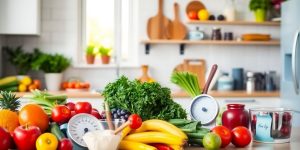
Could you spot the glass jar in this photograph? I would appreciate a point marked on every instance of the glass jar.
(234, 116)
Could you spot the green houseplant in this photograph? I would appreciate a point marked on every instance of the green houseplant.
(52, 65)
(259, 7)
(105, 54)
(90, 55)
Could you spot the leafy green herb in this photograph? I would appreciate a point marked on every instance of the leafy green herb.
(104, 51)
(187, 81)
(90, 50)
(51, 63)
(149, 100)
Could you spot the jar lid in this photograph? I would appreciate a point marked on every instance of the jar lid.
(204, 108)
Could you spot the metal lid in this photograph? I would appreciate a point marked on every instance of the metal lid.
(204, 108)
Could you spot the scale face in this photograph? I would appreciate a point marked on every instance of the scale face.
(205, 109)
(81, 124)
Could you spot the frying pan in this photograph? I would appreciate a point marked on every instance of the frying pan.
(205, 108)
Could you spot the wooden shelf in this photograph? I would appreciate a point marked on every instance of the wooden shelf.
(244, 23)
(232, 94)
(182, 43)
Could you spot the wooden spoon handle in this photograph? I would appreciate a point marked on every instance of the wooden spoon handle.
(210, 77)
(160, 6)
(124, 125)
(108, 117)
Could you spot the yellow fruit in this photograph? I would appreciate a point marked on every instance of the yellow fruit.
(130, 145)
(176, 147)
(8, 120)
(155, 137)
(125, 131)
(22, 88)
(26, 80)
(203, 14)
(46, 141)
(161, 126)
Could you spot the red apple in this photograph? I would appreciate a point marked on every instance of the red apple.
(5, 140)
(193, 15)
(26, 136)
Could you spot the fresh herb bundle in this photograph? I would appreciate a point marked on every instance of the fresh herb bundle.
(149, 100)
(188, 82)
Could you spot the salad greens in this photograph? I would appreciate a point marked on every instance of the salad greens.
(149, 100)
(188, 82)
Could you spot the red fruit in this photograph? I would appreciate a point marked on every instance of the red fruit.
(65, 144)
(96, 113)
(73, 113)
(285, 131)
(224, 134)
(25, 137)
(193, 15)
(71, 106)
(135, 121)
(241, 136)
(5, 140)
(60, 114)
(286, 116)
(83, 107)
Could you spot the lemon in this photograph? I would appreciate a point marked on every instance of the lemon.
(203, 14)
(26, 80)
(22, 88)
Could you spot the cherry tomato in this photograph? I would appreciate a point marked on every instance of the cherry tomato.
(78, 85)
(65, 85)
(224, 134)
(65, 144)
(71, 85)
(71, 106)
(37, 83)
(135, 121)
(96, 113)
(85, 85)
(61, 114)
(83, 107)
(241, 136)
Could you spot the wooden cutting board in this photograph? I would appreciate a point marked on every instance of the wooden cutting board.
(176, 30)
(196, 66)
(156, 26)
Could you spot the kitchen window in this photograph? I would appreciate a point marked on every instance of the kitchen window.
(110, 24)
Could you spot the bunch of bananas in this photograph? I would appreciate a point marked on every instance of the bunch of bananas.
(153, 131)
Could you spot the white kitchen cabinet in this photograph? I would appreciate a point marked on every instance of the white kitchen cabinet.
(20, 17)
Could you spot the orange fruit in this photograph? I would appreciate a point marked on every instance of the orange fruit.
(33, 114)
(32, 87)
(37, 83)
(8, 120)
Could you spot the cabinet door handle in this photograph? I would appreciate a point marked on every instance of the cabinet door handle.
(294, 62)
(240, 101)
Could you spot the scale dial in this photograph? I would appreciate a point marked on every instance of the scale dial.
(81, 124)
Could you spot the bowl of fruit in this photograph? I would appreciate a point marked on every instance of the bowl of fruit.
(271, 125)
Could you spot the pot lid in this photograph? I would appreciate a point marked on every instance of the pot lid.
(204, 108)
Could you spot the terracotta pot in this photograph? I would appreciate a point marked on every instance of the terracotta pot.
(234, 116)
(90, 59)
(105, 59)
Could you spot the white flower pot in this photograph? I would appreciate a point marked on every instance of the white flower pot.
(53, 81)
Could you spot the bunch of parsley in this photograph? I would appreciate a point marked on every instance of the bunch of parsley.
(149, 100)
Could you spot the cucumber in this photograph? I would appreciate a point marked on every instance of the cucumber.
(56, 131)
(198, 142)
(199, 134)
(179, 122)
(56, 97)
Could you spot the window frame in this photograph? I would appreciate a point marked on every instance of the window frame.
(132, 33)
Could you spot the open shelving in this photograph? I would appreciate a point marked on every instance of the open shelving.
(244, 23)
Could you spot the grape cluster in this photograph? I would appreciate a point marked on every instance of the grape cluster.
(117, 113)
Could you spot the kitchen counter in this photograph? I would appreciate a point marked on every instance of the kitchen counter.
(175, 94)
(293, 145)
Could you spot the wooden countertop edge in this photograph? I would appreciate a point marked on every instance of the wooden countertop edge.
(175, 94)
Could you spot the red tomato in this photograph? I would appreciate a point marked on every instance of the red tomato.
(135, 121)
(224, 134)
(65, 85)
(61, 114)
(96, 113)
(241, 136)
(87, 85)
(193, 15)
(26, 136)
(65, 144)
(78, 85)
(5, 140)
(71, 106)
(73, 113)
(71, 85)
(83, 107)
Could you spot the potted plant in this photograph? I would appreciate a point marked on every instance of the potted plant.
(52, 65)
(260, 8)
(105, 54)
(90, 55)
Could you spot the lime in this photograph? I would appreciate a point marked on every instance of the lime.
(211, 141)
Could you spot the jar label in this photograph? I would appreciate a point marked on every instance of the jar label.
(263, 128)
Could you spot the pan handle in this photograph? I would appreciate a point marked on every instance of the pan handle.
(210, 77)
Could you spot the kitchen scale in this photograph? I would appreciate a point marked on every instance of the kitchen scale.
(78, 126)
(204, 108)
